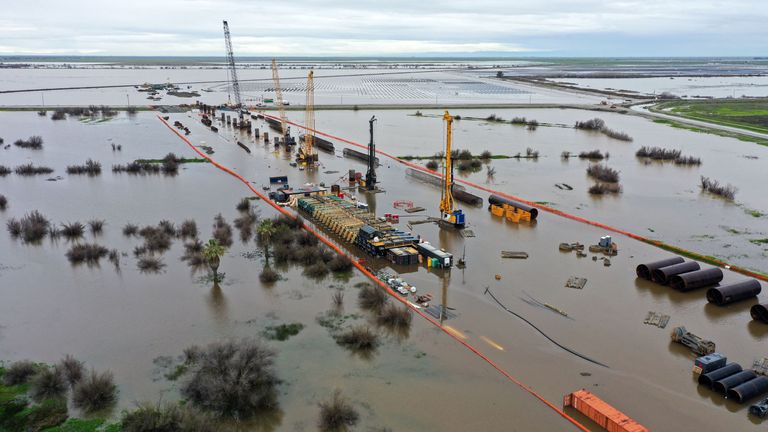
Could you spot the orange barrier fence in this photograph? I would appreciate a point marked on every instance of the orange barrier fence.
(675, 249)
(375, 279)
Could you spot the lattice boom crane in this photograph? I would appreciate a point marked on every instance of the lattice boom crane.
(232, 70)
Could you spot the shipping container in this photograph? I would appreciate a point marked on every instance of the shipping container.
(608, 417)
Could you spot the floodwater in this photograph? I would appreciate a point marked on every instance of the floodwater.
(123, 321)
(659, 200)
(357, 86)
(711, 87)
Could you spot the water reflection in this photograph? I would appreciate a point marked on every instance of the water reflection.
(217, 303)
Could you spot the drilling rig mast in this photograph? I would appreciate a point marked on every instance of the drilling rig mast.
(451, 216)
(279, 102)
(307, 154)
(370, 176)
(234, 83)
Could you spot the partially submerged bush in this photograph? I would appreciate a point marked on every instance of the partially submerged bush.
(658, 153)
(593, 155)
(32, 228)
(316, 270)
(395, 317)
(605, 188)
(340, 263)
(168, 227)
(156, 239)
(95, 391)
(432, 165)
(687, 160)
(486, 155)
(130, 229)
(603, 173)
(268, 275)
(48, 383)
(166, 418)
(245, 224)
(72, 230)
(222, 231)
(623, 136)
(4, 170)
(358, 338)
(594, 124)
(233, 379)
(34, 142)
(244, 205)
(188, 229)
(19, 372)
(337, 414)
(96, 225)
(714, 187)
(30, 169)
(89, 253)
(3, 202)
(150, 264)
(114, 257)
(193, 254)
(90, 167)
(371, 298)
(72, 369)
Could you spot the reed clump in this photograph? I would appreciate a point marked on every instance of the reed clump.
(603, 173)
(714, 187)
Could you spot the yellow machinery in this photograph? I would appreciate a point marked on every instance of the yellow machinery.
(307, 154)
(279, 103)
(449, 215)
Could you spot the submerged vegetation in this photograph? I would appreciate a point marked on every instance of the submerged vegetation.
(598, 125)
(603, 173)
(34, 142)
(90, 167)
(3, 202)
(89, 253)
(662, 154)
(30, 169)
(31, 228)
(166, 418)
(337, 414)
(604, 188)
(714, 187)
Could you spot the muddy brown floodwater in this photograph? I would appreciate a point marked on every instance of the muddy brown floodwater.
(123, 320)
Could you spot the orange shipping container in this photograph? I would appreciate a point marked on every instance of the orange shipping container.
(601, 412)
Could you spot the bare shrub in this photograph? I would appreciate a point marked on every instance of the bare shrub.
(337, 414)
(340, 264)
(3, 202)
(605, 188)
(359, 338)
(30, 169)
(687, 160)
(89, 253)
(95, 391)
(486, 155)
(34, 142)
(72, 369)
(565, 155)
(168, 227)
(268, 275)
(595, 124)
(395, 317)
(371, 297)
(150, 264)
(90, 167)
(714, 187)
(432, 165)
(130, 229)
(96, 225)
(658, 153)
(188, 229)
(622, 136)
(166, 418)
(114, 257)
(48, 383)
(603, 173)
(233, 379)
(222, 231)
(244, 205)
(4, 170)
(338, 298)
(31, 228)
(19, 372)
(316, 270)
(72, 230)
(593, 155)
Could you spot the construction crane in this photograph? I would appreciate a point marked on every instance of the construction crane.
(234, 83)
(448, 214)
(279, 102)
(370, 176)
(307, 154)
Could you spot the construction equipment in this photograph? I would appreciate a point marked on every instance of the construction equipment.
(307, 154)
(234, 83)
(279, 102)
(370, 176)
(449, 215)
(696, 344)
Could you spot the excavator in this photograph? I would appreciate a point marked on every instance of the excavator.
(307, 155)
(449, 215)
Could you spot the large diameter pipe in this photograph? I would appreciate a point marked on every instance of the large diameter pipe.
(708, 379)
(663, 274)
(759, 312)
(698, 279)
(500, 201)
(748, 390)
(728, 294)
(723, 385)
(644, 270)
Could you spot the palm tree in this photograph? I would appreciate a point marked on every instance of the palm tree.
(212, 252)
(265, 231)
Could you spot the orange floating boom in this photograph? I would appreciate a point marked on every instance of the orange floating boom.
(601, 412)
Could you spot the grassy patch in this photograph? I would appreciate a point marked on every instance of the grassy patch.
(718, 132)
(282, 332)
(177, 372)
(754, 213)
(749, 114)
(759, 242)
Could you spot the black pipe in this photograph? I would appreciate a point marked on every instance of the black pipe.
(644, 270)
(708, 379)
(723, 385)
(698, 279)
(661, 275)
(728, 294)
(466, 197)
(759, 312)
(749, 389)
(500, 201)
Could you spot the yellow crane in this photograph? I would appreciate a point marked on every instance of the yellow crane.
(307, 154)
(449, 215)
(279, 103)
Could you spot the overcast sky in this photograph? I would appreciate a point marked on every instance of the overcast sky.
(387, 27)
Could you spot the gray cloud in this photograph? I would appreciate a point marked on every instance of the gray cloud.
(335, 27)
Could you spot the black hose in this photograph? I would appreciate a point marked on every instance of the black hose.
(582, 356)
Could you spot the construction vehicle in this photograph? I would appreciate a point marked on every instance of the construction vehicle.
(449, 215)
(370, 176)
(696, 344)
(234, 84)
(285, 129)
(307, 155)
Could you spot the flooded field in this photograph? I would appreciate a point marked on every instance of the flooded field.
(709, 87)
(125, 320)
